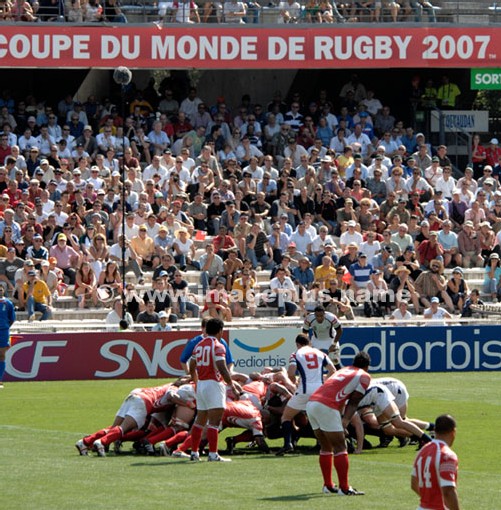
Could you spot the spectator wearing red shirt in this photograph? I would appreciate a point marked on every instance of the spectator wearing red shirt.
(429, 250)
(223, 243)
(478, 156)
(492, 153)
(5, 149)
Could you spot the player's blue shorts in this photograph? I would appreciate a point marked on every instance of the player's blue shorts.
(4, 338)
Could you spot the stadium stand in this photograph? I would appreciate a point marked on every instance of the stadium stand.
(299, 165)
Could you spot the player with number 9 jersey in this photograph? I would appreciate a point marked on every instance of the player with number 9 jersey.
(310, 364)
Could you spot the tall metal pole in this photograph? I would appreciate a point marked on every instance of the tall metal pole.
(122, 76)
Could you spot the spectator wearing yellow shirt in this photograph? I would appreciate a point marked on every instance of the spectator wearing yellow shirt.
(144, 246)
(243, 292)
(325, 272)
(37, 296)
(447, 93)
(343, 161)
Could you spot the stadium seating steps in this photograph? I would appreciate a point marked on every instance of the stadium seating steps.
(66, 307)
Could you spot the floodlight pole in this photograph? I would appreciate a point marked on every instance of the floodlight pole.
(123, 76)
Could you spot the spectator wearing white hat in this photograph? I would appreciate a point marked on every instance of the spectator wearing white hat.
(163, 322)
(493, 152)
(436, 314)
(351, 235)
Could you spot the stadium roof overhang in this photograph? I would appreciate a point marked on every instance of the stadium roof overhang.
(150, 46)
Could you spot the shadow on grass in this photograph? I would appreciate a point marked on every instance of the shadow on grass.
(292, 497)
(166, 462)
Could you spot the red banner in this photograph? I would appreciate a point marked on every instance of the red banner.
(70, 356)
(149, 46)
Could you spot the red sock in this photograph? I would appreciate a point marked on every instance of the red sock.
(325, 460)
(186, 445)
(342, 464)
(133, 435)
(113, 434)
(196, 436)
(212, 438)
(178, 438)
(160, 435)
(89, 440)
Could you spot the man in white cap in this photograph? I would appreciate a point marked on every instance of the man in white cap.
(470, 246)
(457, 208)
(436, 314)
(351, 235)
(163, 322)
(492, 153)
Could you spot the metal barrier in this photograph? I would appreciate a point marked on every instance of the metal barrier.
(138, 11)
(265, 323)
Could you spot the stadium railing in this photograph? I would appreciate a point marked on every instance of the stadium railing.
(445, 11)
(57, 326)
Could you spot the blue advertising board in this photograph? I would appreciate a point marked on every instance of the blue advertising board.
(399, 349)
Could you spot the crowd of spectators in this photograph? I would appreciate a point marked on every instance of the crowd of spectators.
(346, 208)
(229, 12)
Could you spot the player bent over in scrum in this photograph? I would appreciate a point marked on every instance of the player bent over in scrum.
(132, 415)
(378, 409)
(399, 391)
(330, 409)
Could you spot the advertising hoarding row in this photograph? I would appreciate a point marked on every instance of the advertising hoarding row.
(129, 355)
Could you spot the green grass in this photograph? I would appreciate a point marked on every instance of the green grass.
(40, 468)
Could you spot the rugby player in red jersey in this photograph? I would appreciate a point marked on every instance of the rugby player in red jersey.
(330, 410)
(435, 469)
(135, 409)
(208, 369)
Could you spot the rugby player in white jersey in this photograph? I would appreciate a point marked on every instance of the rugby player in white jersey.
(325, 331)
(310, 364)
(378, 409)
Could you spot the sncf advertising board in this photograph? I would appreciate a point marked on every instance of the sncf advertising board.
(50, 357)
(151, 46)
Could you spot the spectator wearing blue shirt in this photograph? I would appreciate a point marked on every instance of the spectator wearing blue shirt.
(409, 140)
(303, 275)
(7, 318)
(190, 346)
(279, 241)
(361, 273)
(329, 252)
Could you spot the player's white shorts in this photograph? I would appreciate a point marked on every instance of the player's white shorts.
(211, 395)
(324, 346)
(401, 397)
(323, 417)
(382, 402)
(299, 401)
(134, 407)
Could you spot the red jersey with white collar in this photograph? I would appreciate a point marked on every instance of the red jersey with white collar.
(242, 414)
(436, 466)
(206, 353)
(156, 399)
(337, 389)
